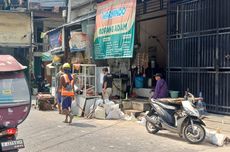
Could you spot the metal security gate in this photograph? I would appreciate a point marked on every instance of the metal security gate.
(199, 50)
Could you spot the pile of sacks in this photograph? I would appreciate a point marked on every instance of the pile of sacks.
(107, 110)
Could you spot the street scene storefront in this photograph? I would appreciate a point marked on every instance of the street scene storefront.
(145, 46)
(137, 75)
(148, 40)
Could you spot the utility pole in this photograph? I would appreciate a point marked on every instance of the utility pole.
(66, 17)
(69, 4)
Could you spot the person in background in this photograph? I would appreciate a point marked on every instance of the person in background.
(58, 89)
(6, 4)
(107, 84)
(67, 92)
(21, 2)
(161, 89)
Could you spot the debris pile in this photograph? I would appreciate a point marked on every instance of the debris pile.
(107, 110)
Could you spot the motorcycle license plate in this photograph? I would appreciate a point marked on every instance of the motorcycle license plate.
(14, 144)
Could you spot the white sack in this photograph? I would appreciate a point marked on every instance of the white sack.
(215, 138)
(100, 112)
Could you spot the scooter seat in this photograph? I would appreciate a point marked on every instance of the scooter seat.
(165, 106)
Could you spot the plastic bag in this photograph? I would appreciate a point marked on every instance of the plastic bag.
(108, 106)
(99, 101)
(142, 122)
(107, 101)
(74, 108)
(115, 113)
(130, 118)
(215, 138)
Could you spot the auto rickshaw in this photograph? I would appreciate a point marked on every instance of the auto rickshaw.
(15, 102)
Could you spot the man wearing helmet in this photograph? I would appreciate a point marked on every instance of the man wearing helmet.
(67, 92)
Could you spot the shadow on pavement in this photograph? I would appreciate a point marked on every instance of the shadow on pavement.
(82, 125)
(170, 136)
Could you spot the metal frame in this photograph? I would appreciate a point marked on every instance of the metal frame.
(150, 6)
(87, 77)
(198, 45)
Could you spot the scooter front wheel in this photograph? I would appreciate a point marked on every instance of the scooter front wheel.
(194, 134)
(150, 127)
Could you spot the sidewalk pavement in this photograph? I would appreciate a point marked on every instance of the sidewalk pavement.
(219, 123)
(213, 121)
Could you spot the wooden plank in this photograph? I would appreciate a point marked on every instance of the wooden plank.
(176, 100)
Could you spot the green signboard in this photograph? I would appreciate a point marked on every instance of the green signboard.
(115, 27)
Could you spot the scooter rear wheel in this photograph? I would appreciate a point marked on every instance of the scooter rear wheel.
(194, 135)
(150, 127)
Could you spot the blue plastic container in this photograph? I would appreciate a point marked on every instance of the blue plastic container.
(139, 82)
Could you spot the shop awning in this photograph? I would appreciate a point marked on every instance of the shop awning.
(77, 21)
(46, 57)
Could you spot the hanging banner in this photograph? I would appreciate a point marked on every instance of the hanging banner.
(46, 56)
(78, 41)
(115, 27)
(55, 40)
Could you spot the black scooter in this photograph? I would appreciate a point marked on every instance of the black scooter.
(184, 120)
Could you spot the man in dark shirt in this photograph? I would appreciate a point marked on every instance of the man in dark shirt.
(161, 89)
(107, 84)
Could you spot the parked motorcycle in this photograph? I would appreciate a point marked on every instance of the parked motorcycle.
(184, 120)
(15, 102)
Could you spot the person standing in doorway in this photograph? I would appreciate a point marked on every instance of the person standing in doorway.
(58, 89)
(107, 84)
(161, 89)
(67, 92)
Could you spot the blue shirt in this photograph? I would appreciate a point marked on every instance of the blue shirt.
(161, 89)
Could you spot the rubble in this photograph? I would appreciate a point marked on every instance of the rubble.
(108, 110)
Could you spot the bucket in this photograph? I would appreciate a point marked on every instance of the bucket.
(139, 82)
(174, 94)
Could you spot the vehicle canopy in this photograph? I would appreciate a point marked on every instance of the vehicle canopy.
(15, 98)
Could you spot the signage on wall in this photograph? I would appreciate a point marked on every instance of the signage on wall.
(115, 27)
(46, 4)
(55, 40)
(78, 41)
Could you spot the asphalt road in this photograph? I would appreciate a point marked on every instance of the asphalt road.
(45, 132)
